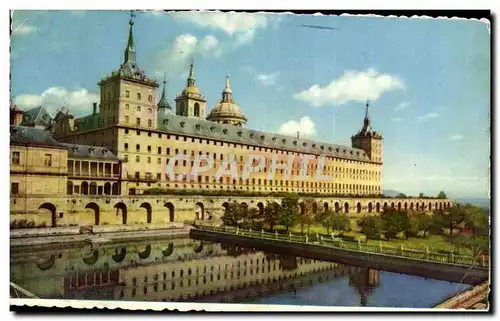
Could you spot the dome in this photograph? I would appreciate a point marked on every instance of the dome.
(226, 110)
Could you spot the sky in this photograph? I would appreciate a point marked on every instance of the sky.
(427, 80)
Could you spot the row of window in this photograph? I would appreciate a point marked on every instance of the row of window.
(16, 159)
(240, 146)
(138, 121)
(127, 95)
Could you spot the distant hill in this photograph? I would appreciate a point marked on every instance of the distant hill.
(481, 202)
(390, 192)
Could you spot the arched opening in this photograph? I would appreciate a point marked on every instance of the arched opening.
(411, 206)
(302, 209)
(370, 207)
(377, 206)
(52, 209)
(170, 208)
(107, 188)
(385, 206)
(315, 208)
(197, 110)
(399, 206)
(325, 206)
(85, 188)
(260, 206)
(149, 211)
(440, 206)
(406, 206)
(358, 208)
(94, 207)
(181, 109)
(337, 207)
(69, 190)
(430, 206)
(392, 205)
(93, 188)
(121, 209)
(346, 207)
(199, 209)
(115, 189)
(417, 206)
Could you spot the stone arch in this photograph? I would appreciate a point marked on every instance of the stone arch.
(417, 206)
(399, 206)
(325, 206)
(430, 206)
(358, 208)
(302, 207)
(53, 215)
(346, 207)
(337, 207)
(411, 206)
(405, 206)
(197, 110)
(370, 207)
(260, 206)
(225, 205)
(97, 212)
(385, 206)
(115, 189)
(199, 210)
(149, 211)
(377, 207)
(314, 208)
(440, 206)
(107, 188)
(121, 208)
(84, 188)
(171, 208)
(69, 188)
(392, 205)
(93, 188)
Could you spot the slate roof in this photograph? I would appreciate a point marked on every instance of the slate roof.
(32, 136)
(86, 151)
(37, 116)
(88, 122)
(197, 127)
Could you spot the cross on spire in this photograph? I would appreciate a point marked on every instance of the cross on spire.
(130, 49)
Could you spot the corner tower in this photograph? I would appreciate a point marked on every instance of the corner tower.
(128, 95)
(190, 102)
(368, 140)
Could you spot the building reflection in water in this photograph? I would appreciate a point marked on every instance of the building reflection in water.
(174, 270)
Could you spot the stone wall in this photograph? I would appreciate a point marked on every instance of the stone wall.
(87, 210)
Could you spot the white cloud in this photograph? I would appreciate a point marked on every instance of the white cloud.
(24, 29)
(305, 126)
(239, 24)
(456, 137)
(267, 79)
(78, 101)
(396, 119)
(402, 106)
(428, 116)
(177, 55)
(351, 86)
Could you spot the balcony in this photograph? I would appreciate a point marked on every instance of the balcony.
(148, 178)
(93, 175)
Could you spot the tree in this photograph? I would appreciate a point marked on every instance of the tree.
(395, 222)
(339, 222)
(419, 222)
(437, 223)
(476, 219)
(371, 226)
(233, 214)
(308, 213)
(272, 214)
(453, 217)
(442, 195)
(289, 211)
(401, 195)
(421, 195)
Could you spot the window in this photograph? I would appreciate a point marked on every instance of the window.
(127, 106)
(137, 147)
(127, 94)
(48, 160)
(149, 148)
(168, 151)
(137, 159)
(149, 160)
(126, 119)
(126, 146)
(150, 123)
(159, 160)
(150, 110)
(138, 96)
(125, 158)
(138, 121)
(14, 188)
(138, 108)
(16, 158)
(150, 98)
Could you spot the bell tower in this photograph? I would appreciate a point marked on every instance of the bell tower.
(368, 140)
(190, 102)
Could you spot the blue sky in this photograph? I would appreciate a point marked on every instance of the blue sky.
(428, 80)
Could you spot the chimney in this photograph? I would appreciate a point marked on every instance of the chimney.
(94, 109)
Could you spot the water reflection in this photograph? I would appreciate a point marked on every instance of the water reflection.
(180, 270)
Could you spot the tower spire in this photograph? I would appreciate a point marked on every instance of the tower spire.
(163, 103)
(227, 93)
(366, 122)
(130, 49)
(191, 79)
